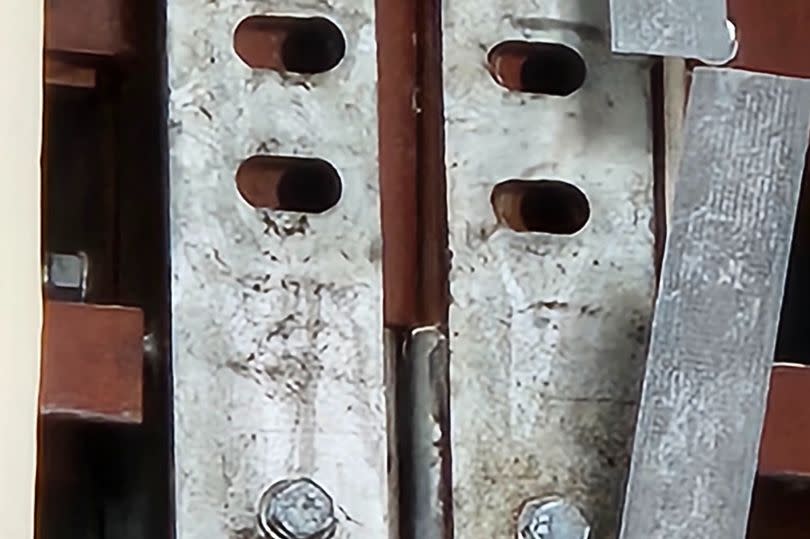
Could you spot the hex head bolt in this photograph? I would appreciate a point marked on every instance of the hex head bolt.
(552, 518)
(296, 509)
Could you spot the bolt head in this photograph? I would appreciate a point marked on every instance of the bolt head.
(65, 276)
(296, 509)
(552, 518)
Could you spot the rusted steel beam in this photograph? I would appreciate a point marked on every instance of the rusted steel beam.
(772, 36)
(397, 55)
(785, 448)
(412, 175)
(98, 27)
(59, 72)
(92, 362)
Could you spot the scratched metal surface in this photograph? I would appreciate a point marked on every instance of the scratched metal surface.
(547, 333)
(682, 28)
(424, 393)
(278, 361)
(716, 317)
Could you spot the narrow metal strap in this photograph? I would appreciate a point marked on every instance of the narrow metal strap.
(714, 331)
(424, 391)
(683, 28)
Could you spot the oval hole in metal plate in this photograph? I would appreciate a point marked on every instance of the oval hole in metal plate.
(291, 184)
(537, 67)
(549, 206)
(306, 45)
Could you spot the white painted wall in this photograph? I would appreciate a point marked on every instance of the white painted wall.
(21, 28)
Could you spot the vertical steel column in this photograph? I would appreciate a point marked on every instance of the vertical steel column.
(278, 356)
(547, 331)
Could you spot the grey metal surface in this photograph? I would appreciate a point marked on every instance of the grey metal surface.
(684, 28)
(552, 518)
(424, 393)
(713, 336)
(296, 509)
(392, 349)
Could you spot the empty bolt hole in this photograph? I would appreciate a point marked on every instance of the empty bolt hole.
(537, 67)
(289, 184)
(289, 44)
(549, 206)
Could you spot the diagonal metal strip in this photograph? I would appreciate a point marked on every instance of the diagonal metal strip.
(714, 331)
(683, 28)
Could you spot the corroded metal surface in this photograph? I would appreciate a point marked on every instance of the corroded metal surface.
(785, 447)
(278, 361)
(547, 333)
(92, 362)
(716, 318)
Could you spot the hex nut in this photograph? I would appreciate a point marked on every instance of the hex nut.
(552, 518)
(296, 509)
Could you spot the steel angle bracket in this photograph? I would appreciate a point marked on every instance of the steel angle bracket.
(693, 29)
(714, 330)
(278, 340)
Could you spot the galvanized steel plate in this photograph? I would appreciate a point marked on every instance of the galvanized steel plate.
(278, 357)
(695, 29)
(716, 318)
(547, 333)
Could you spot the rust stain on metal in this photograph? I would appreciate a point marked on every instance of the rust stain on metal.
(772, 36)
(397, 117)
(98, 27)
(92, 362)
(60, 72)
(412, 180)
(785, 448)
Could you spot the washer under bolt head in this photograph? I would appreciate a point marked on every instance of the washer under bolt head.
(296, 509)
(552, 518)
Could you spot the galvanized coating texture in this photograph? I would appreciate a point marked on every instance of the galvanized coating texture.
(714, 331)
(684, 28)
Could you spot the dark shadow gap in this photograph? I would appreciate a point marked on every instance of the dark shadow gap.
(793, 340)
